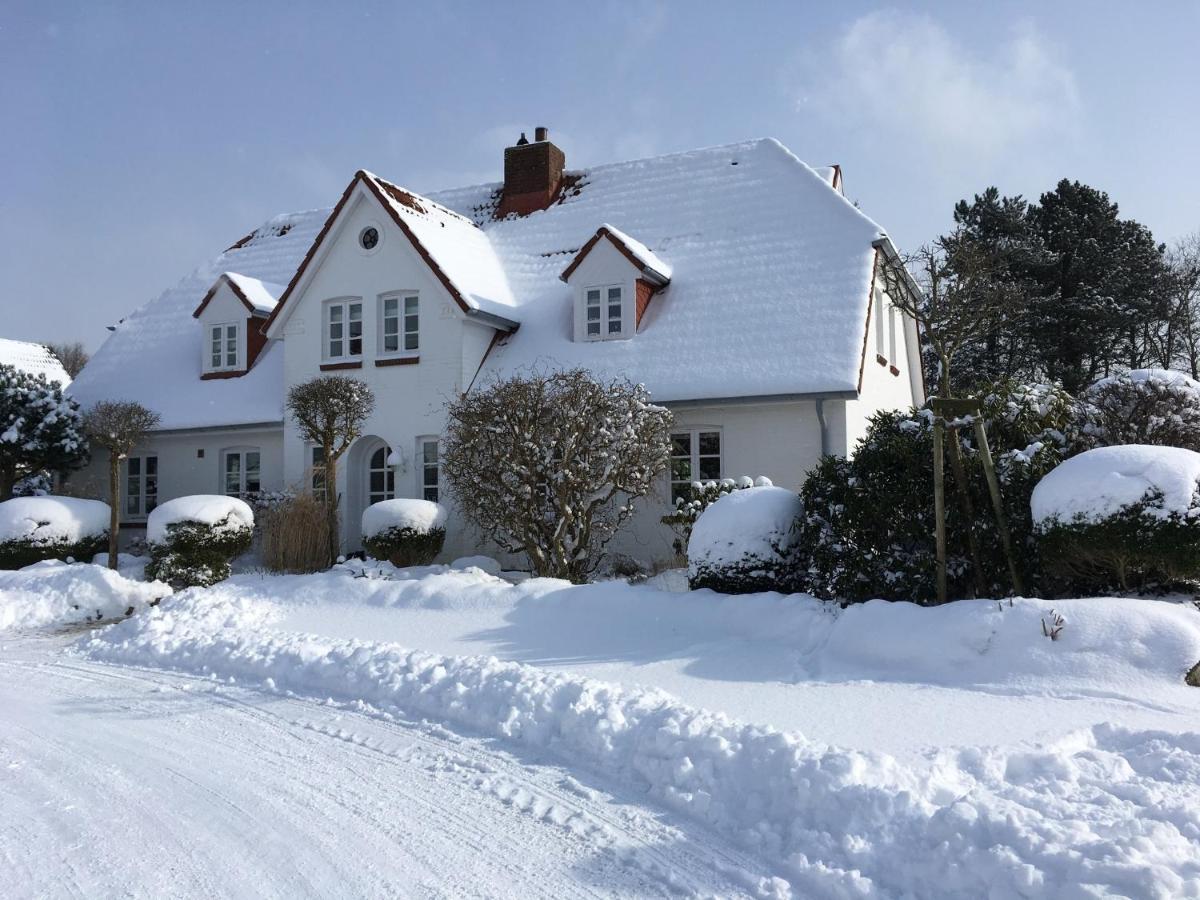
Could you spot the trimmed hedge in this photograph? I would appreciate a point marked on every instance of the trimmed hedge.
(18, 554)
(196, 554)
(406, 546)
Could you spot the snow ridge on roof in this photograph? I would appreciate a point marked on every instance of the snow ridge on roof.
(36, 359)
(262, 295)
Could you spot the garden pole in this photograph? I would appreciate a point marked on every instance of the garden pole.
(989, 469)
(939, 507)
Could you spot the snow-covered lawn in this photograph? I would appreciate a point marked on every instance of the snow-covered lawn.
(884, 750)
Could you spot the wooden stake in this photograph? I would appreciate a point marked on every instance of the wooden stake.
(939, 506)
(989, 470)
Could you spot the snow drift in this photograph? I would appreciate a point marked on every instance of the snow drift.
(57, 593)
(1106, 811)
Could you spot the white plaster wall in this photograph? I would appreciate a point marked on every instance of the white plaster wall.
(880, 388)
(409, 399)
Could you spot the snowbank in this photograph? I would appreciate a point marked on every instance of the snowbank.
(1114, 810)
(57, 593)
(1096, 484)
(422, 516)
(207, 509)
(52, 520)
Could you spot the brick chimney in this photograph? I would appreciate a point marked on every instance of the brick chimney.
(532, 174)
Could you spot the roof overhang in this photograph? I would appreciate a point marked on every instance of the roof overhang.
(655, 277)
(223, 278)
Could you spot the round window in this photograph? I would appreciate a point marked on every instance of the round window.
(369, 238)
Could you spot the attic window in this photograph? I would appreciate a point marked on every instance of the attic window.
(223, 347)
(604, 312)
(369, 237)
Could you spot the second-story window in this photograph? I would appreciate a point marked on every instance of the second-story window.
(223, 347)
(603, 312)
(399, 324)
(343, 329)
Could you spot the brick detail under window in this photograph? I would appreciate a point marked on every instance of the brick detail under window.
(893, 370)
(337, 367)
(881, 360)
(399, 361)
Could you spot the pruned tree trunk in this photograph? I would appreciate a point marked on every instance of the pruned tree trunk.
(114, 518)
(331, 504)
(8, 480)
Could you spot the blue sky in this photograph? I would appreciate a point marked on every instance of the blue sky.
(141, 139)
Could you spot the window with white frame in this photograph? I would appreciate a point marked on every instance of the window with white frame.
(223, 347)
(316, 472)
(427, 468)
(381, 477)
(343, 329)
(399, 324)
(241, 472)
(892, 321)
(603, 312)
(695, 456)
(880, 333)
(141, 486)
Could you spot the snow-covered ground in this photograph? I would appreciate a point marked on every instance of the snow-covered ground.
(885, 750)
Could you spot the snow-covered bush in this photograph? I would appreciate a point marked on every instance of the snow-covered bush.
(702, 495)
(745, 542)
(1121, 517)
(549, 465)
(295, 534)
(1145, 406)
(403, 531)
(37, 528)
(40, 429)
(192, 539)
(868, 529)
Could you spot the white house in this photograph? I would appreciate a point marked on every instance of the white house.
(735, 282)
(36, 359)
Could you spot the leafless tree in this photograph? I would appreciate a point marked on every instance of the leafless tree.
(73, 356)
(330, 411)
(1176, 341)
(550, 465)
(118, 426)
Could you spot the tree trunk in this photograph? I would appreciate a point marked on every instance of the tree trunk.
(8, 480)
(966, 507)
(331, 504)
(114, 499)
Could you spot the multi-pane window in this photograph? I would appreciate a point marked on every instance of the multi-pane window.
(343, 329)
(223, 347)
(603, 312)
(892, 336)
(141, 485)
(381, 478)
(399, 326)
(429, 469)
(316, 470)
(241, 474)
(880, 333)
(695, 456)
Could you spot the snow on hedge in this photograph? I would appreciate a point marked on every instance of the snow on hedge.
(52, 520)
(1115, 810)
(57, 593)
(753, 521)
(1096, 484)
(422, 516)
(1143, 376)
(206, 509)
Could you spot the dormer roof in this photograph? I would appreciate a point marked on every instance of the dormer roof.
(650, 266)
(259, 297)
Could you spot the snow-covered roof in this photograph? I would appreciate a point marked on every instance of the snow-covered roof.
(259, 297)
(637, 252)
(154, 354)
(771, 271)
(33, 358)
(770, 275)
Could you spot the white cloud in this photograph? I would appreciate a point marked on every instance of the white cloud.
(905, 73)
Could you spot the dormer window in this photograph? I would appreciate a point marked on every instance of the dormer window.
(223, 347)
(604, 311)
(613, 278)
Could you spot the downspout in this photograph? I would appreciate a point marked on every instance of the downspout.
(824, 426)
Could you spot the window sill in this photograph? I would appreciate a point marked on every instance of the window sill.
(880, 359)
(339, 366)
(398, 361)
(894, 370)
(233, 373)
(139, 523)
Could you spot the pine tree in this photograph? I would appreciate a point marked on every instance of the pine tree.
(40, 429)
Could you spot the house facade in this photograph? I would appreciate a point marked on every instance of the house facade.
(737, 283)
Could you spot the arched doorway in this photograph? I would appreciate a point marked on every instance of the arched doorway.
(369, 479)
